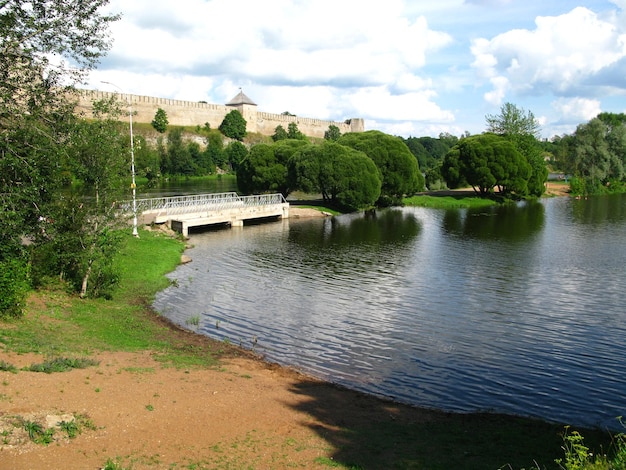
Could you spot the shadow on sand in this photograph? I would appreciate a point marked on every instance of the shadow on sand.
(367, 432)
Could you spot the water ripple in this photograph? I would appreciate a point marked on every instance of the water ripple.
(518, 312)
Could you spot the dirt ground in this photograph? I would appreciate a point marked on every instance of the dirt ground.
(131, 410)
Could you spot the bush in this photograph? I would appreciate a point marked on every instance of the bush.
(14, 285)
(578, 456)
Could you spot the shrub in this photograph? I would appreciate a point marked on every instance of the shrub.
(14, 285)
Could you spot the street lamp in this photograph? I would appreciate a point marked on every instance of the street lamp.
(132, 158)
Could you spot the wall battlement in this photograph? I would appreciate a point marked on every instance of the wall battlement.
(195, 113)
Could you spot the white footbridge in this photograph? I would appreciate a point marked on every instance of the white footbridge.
(183, 212)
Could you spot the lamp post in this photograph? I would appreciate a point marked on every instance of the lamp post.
(132, 158)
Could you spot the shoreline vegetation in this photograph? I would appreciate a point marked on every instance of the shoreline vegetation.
(333, 427)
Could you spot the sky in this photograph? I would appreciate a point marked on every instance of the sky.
(407, 67)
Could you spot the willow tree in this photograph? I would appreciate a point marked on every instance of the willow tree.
(398, 167)
(522, 128)
(485, 162)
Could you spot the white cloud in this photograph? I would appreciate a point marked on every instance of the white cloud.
(576, 110)
(558, 55)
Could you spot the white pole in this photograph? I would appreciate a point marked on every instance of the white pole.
(132, 159)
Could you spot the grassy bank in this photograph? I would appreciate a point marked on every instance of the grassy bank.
(378, 435)
(58, 324)
(448, 200)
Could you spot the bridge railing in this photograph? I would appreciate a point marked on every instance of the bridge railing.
(200, 202)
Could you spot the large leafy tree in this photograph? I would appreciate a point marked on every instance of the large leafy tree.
(513, 121)
(344, 176)
(235, 153)
(398, 167)
(598, 154)
(265, 168)
(46, 48)
(486, 161)
(79, 243)
(233, 125)
(522, 129)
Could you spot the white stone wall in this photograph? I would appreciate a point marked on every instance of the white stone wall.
(192, 113)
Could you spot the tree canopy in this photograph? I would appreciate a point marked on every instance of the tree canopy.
(46, 48)
(265, 168)
(160, 121)
(345, 177)
(513, 121)
(398, 167)
(234, 125)
(486, 161)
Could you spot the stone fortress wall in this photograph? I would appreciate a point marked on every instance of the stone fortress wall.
(192, 113)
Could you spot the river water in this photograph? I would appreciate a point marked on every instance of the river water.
(516, 309)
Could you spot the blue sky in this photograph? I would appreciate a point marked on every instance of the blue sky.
(408, 67)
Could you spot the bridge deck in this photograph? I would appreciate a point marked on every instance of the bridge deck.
(184, 212)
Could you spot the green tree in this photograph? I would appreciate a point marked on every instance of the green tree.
(234, 125)
(265, 169)
(160, 121)
(345, 177)
(215, 151)
(523, 130)
(179, 156)
(294, 133)
(333, 133)
(235, 153)
(36, 105)
(398, 167)
(595, 159)
(146, 159)
(513, 121)
(486, 161)
(279, 133)
(79, 246)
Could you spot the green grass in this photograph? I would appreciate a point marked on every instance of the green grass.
(70, 326)
(328, 210)
(448, 202)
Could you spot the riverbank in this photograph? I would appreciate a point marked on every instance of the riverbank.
(163, 397)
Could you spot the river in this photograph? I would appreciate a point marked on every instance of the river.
(515, 309)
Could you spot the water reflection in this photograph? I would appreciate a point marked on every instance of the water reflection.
(510, 222)
(598, 210)
(390, 226)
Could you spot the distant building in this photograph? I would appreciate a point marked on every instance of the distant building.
(192, 113)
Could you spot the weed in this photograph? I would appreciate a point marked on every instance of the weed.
(62, 364)
(149, 407)
(5, 366)
(579, 457)
(113, 465)
(193, 320)
(84, 421)
(71, 428)
(38, 434)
